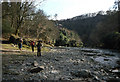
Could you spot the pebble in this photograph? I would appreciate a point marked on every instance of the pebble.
(35, 63)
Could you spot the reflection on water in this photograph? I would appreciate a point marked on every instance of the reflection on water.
(103, 56)
(110, 61)
(106, 57)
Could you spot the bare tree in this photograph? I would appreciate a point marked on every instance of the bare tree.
(18, 11)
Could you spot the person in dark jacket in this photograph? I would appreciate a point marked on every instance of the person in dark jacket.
(39, 46)
(20, 43)
(32, 45)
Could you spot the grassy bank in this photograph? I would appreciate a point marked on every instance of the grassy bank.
(24, 47)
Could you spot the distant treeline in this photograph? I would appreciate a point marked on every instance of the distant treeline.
(100, 29)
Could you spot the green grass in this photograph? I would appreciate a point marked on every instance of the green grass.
(8, 46)
(24, 47)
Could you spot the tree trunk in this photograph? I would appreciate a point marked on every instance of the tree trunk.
(16, 32)
(19, 22)
(17, 28)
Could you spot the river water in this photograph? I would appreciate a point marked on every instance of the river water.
(104, 56)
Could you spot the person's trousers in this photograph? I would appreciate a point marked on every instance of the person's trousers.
(38, 53)
(32, 48)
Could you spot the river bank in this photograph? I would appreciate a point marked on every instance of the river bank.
(73, 64)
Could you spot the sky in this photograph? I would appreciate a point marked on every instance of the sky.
(71, 8)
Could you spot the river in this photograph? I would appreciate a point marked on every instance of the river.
(104, 56)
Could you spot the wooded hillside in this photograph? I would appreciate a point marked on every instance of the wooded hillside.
(23, 19)
(96, 29)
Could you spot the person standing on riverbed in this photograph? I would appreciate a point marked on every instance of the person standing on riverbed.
(20, 43)
(32, 45)
(39, 46)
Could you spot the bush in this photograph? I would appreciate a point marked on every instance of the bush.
(72, 43)
(60, 42)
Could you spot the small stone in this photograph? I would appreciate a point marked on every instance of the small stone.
(90, 54)
(82, 59)
(35, 63)
(56, 59)
(106, 59)
(42, 67)
(102, 70)
(96, 78)
(54, 71)
(95, 72)
(28, 64)
(116, 70)
(23, 64)
(22, 69)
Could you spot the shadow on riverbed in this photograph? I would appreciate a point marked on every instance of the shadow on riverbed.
(5, 41)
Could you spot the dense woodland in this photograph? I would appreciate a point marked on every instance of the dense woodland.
(101, 29)
(23, 19)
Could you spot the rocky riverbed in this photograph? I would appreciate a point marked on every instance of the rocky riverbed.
(73, 64)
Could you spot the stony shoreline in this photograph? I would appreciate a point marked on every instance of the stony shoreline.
(61, 64)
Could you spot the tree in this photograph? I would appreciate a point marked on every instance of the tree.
(22, 11)
(18, 12)
(39, 26)
(7, 20)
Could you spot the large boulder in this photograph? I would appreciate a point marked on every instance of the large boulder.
(14, 39)
(36, 69)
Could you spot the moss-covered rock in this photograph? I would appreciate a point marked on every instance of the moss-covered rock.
(14, 39)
